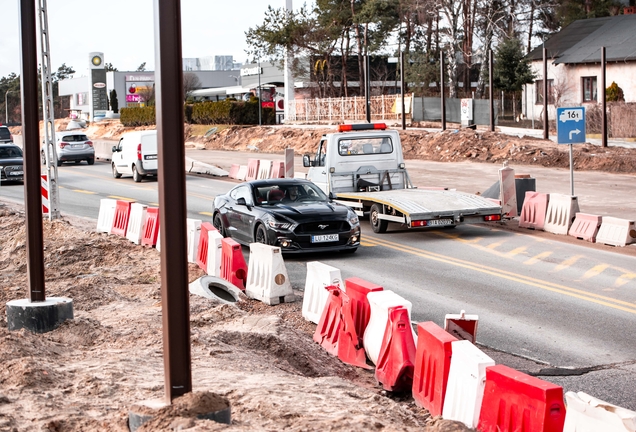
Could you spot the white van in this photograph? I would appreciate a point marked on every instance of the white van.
(136, 155)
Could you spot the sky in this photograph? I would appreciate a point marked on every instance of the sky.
(124, 31)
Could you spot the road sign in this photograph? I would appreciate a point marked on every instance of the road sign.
(571, 125)
(467, 109)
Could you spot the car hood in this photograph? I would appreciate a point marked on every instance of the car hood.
(11, 161)
(310, 211)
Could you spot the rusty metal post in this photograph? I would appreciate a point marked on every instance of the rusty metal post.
(31, 145)
(491, 92)
(402, 88)
(546, 127)
(603, 99)
(172, 199)
(441, 84)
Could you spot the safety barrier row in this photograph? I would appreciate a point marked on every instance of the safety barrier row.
(446, 373)
(258, 169)
(559, 214)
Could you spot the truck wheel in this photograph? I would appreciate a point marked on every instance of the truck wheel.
(136, 176)
(379, 225)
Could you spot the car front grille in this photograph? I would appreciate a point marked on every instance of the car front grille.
(330, 227)
(5, 172)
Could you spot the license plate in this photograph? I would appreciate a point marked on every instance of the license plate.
(150, 157)
(77, 146)
(438, 222)
(16, 173)
(324, 238)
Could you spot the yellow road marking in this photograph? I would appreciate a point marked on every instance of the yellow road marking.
(517, 251)
(535, 259)
(122, 198)
(504, 274)
(366, 244)
(495, 245)
(206, 213)
(595, 271)
(84, 191)
(568, 263)
(624, 278)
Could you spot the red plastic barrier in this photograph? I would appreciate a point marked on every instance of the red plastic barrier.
(396, 361)
(535, 206)
(432, 364)
(514, 401)
(252, 169)
(202, 251)
(151, 227)
(328, 329)
(357, 290)
(233, 265)
(278, 170)
(462, 326)
(234, 169)
(120, 220)
(350, 347)
(585, 226)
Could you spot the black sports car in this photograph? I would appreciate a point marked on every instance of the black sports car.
(293, 214)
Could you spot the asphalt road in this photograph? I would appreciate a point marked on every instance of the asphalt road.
(563, 311)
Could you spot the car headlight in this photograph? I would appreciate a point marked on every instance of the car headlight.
(276, 224)
(353, 219)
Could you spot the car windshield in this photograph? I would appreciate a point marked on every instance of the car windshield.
(10, 152)
(74, 138)
(5, 133)
(288, 193)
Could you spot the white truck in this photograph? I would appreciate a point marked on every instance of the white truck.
(363, 167)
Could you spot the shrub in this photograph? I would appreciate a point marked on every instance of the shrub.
(138, 116)
(614, 93)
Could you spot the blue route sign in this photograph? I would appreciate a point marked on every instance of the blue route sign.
(571, 125)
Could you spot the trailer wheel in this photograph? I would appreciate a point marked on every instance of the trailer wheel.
(378, 225)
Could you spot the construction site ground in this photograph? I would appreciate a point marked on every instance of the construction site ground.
(88, 373)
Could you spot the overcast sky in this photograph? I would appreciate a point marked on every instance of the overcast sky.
(123, 30)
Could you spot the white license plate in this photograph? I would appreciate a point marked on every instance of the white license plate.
(150, 157)
(16, 173)
(438, 222)
(77, 145)
(324, 238)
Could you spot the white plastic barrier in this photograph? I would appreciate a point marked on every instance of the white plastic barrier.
(264, 168)
(267, 278)
(319, 276)
(136, 222)
(215, 245)
(466, 383)
(588, 414)
(106, 214)
(508, 191)
(242, 173)
(616, 232)
(380, 302)
(158, 244)
(562, 210)
(194, 231)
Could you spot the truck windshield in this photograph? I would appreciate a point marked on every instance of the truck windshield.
(362, 146)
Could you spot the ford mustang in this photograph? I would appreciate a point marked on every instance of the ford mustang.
(293, 214)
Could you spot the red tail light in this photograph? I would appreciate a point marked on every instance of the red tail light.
(419, 223)
(63, 144)
(138, 151)
(492, 217)
(90, 143)
(362, 126)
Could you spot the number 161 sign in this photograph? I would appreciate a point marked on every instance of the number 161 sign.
(570, 125)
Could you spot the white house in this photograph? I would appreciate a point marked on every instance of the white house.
(574, 63)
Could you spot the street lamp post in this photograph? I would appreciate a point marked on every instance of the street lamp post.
(6, 106)
(259, 92)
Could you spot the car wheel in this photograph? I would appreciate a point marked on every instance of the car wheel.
(116, 173)
(218, 224)
(378, 225)
(261, 235)
(136, 176)
(59, 163)
(90, 161)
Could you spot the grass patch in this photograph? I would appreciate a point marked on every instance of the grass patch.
(200, 130)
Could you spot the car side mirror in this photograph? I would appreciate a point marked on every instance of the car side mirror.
(331, 196)
(115, 149)
(306, 161)
(241, 201)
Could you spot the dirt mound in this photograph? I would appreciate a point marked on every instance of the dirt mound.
(89, 372)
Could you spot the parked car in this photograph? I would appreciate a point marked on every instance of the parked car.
(72, 146)
(11, 163)
(136, 155)
(5, 135)
(293, 214)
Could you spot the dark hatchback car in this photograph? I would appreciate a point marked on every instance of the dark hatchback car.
(293, 214)
(5, 135)
(11, 163)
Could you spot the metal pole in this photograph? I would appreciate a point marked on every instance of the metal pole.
(546, 129)
(31, 148)
(402, 89)
(571, 172)
(367, 85)
(603, 100)
(442, 95)
(6, 107)
(491, 99)
(175, 303)
(259, 93)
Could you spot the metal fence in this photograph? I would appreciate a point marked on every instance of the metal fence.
(385, 107)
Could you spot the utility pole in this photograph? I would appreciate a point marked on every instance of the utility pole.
(47, 111)
(260, 121)
(6, 106)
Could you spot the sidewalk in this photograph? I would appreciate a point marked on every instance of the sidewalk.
(598, 192)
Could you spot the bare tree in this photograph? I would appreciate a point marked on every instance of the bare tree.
(147, 94)
(190, 82)
(452, 12)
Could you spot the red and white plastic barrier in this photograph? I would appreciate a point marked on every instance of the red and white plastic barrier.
(264, 169)
(535, 206)
(508, 191)
(278, 170)
(585, 227)
(588, 414)
(560, 213)
(514, 401)
(462, 326)
(215, 252)
(466, 382)
(234, 169)
(136, 222)
(616, 232)
(242, 173)
(151, 227)
(267, 278)
(289, 163)
(106, 214)
(252, 169)
(44, 188)
(233, 265)
(194, 231)
(396, 361)
(120, 219)
(357, 290)
(202, 248)
(319, 277)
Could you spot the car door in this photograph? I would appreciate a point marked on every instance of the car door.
(318, 172)
(241, 216)
(118, 158)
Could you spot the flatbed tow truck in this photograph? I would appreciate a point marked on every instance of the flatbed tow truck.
(362, 166)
